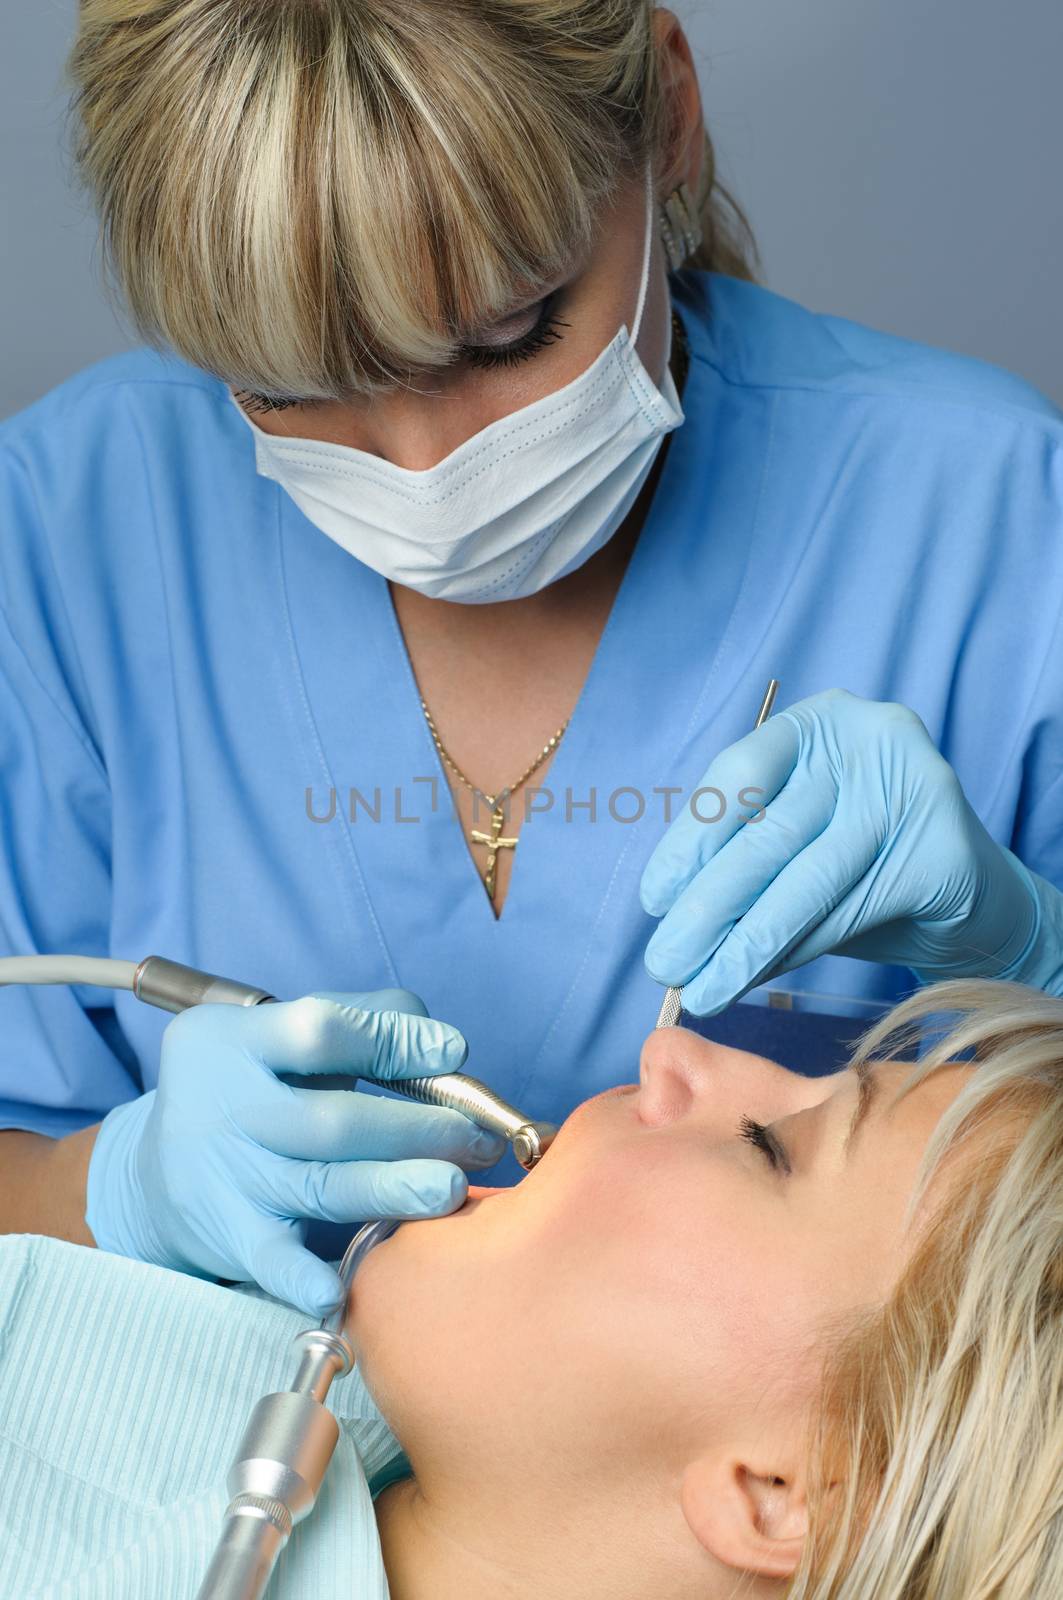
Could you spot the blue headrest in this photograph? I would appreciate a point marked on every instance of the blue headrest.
(813, 1043)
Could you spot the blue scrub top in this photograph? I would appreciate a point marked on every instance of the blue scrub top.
(183, 656)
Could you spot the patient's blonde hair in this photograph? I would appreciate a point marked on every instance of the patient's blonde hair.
(311, 197)
(942, 1421)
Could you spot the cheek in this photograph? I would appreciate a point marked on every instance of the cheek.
(666, 1283)
(663, 1249)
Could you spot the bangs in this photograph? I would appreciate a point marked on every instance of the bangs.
(312, 200)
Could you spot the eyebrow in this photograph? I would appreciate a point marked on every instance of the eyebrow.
(867, 1093)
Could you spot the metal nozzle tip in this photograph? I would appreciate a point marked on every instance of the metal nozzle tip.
(532, 1141)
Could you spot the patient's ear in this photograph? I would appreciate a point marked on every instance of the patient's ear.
(747, 1517)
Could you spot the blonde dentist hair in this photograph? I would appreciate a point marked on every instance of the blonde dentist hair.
(310, 197)
(938, 1451)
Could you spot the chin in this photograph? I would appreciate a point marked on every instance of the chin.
(402, 1270)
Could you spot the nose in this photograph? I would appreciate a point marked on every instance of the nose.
(682, 1074)
(421, 436)
(419, 426)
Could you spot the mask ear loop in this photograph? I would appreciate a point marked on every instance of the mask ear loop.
(646, 252)
(643, 287)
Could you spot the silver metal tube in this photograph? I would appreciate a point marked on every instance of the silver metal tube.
(672, 1004)
(324, 1357)
(286, 1449)
(273, 1483)
(173, 987)
(253, 1537)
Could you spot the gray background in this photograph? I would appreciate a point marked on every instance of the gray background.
(899, 161)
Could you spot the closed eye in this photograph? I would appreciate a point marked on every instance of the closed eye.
(261, 403)
(762, 1139)
(544, 331)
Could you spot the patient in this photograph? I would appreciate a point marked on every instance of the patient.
(608, 1380)
(721, 1342)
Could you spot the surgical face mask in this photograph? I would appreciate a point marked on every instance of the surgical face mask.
(522, 503)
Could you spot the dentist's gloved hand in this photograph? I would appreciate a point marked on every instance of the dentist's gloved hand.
(217, 1170)
(867, 847)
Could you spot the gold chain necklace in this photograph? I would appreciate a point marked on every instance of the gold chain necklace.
(493, 841)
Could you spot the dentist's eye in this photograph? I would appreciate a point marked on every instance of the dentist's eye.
(263, 402)
(529, 344)
(762, 1139)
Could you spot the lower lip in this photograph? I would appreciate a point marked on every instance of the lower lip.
(481, 1192)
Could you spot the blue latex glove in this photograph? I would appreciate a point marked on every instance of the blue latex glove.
(865, 846)
(216, 1171)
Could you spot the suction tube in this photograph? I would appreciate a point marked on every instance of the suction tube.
(285, 1450)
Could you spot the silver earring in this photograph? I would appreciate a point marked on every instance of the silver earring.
(680, 227)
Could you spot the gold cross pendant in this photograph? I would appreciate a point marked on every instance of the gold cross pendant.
(494, 844)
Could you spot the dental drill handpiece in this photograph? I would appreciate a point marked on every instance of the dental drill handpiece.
(173, 987)
(286, 1448)
(672, 1004)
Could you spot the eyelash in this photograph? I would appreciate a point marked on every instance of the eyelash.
(263, 402)
(757, 1135)
(545, 331)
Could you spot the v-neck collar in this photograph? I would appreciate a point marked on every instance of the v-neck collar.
(644, 719)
